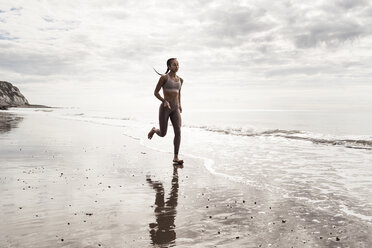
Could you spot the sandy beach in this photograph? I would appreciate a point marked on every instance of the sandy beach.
(67, 183)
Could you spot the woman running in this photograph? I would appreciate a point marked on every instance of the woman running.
(170, 106)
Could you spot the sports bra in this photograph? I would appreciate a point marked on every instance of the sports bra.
(170, 85)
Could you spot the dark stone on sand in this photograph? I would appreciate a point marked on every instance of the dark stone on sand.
(337, 239)
(62, 240)
(284, 221)
(152, 225)
(89, 214)
(237, 237)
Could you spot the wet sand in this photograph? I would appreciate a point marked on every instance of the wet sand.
(68, 183)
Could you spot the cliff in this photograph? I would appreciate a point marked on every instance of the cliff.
(10, 96)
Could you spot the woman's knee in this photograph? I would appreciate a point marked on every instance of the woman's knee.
(163, 133)
(177, 132)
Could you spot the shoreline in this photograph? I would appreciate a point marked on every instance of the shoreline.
(79, 184)
(7, 107)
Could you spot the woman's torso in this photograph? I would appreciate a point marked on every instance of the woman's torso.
(171, 89)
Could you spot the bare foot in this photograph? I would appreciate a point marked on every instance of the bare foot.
(151, 133)
(177, 161)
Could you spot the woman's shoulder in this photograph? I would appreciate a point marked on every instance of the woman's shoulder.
(164, 77)
(181, 79)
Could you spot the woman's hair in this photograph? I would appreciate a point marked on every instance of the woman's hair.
(169, 61)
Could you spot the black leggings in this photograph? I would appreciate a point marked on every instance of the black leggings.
(175, 116)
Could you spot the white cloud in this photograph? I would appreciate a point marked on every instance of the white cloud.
(239, 42)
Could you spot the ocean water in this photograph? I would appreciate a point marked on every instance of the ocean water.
(321, 158)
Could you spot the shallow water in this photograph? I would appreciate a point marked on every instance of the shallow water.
(324, 186)
(321, 158)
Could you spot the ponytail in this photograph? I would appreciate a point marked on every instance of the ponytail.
(169, 61)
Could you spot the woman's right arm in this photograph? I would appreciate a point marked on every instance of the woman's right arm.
(162, 80)
(158, 87)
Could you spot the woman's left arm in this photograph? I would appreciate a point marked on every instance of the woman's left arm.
(179, 96)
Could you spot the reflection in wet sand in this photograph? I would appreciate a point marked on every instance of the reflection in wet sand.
(8, 121)
(163, 231)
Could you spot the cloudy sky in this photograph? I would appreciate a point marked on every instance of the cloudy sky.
(232, 54)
